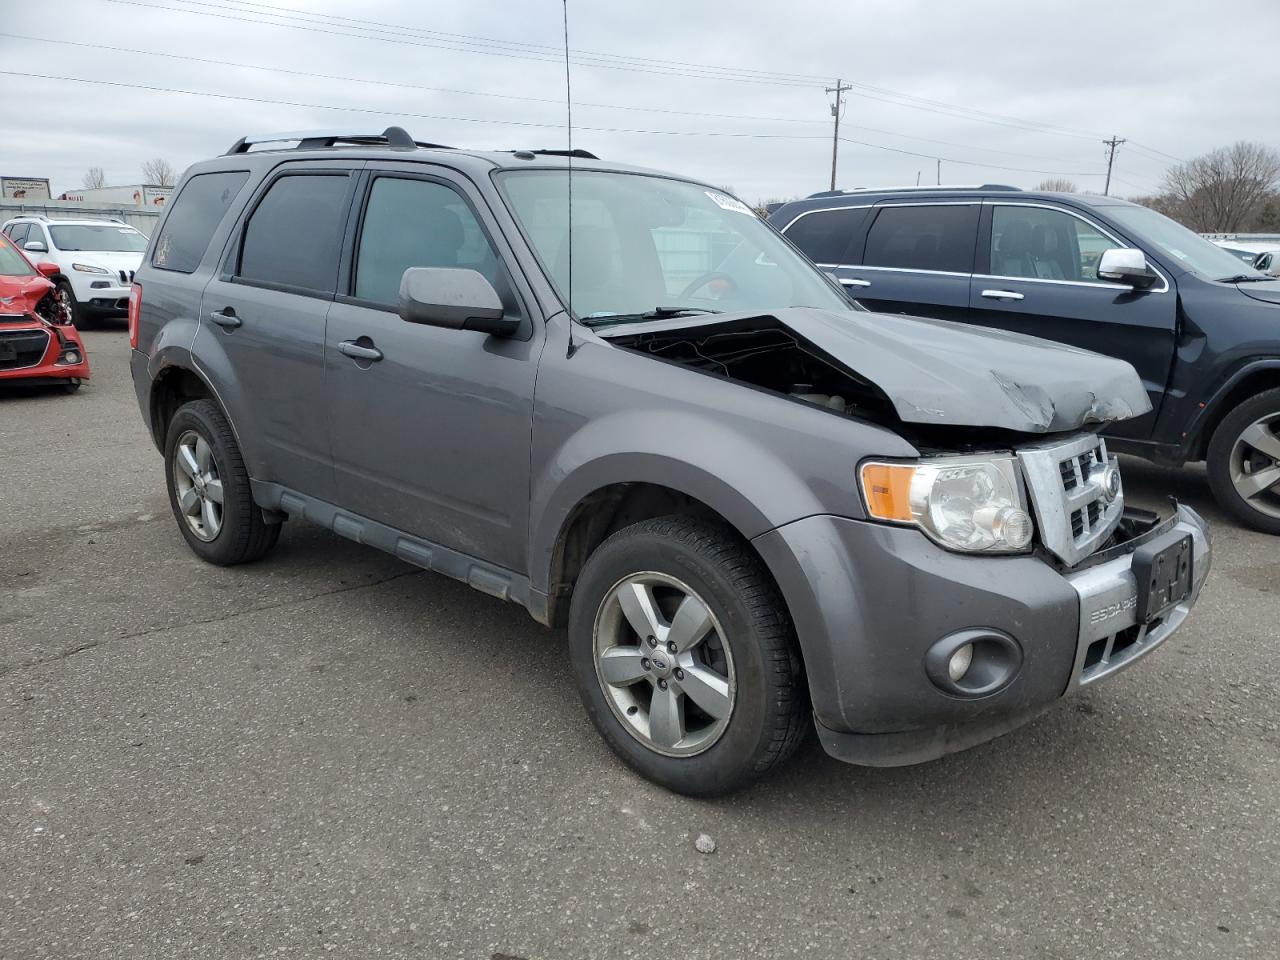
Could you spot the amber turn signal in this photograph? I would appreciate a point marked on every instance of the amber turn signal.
(887, 488)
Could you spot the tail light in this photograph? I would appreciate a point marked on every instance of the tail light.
(135, 311)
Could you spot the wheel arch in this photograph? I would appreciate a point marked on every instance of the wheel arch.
(1249, 381)
(171, 387)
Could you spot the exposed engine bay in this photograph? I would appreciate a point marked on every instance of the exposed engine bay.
(939, 384)
(772, 358)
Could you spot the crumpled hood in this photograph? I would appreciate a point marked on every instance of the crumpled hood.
(937, 372)
(19, 295)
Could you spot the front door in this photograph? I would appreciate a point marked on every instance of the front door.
(1038, 274)
(263, 320)
(431, 427)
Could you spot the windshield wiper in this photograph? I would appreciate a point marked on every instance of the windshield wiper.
(657, 313)
(1245, 278)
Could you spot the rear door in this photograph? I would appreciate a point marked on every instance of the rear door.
(265, 313)
(1038, 274)
(431, 436)
(917, 259)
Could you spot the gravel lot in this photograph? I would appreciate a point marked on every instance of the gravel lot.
(331, 753)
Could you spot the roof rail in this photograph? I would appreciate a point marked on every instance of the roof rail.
(576, 153)
(310, 139)
(914, 187)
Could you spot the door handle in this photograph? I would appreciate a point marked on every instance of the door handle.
(358, 351)
(854, 283)
(226, 317)
(1001, 295)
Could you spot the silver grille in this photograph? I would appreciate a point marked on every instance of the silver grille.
(1076, 494)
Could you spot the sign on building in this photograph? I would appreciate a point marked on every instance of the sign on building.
(24, 188)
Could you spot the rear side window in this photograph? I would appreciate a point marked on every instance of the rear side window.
(195, 215)
(18, 233)
(824, 236)
(294, 236)
(416, 223)
(924, 237)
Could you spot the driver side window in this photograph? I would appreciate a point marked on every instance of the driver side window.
(1042, 244)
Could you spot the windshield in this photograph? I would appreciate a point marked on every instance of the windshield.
(1171, 238)
(104, 237)
(645, 244)
(12, 263)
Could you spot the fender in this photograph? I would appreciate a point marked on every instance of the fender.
(737, 475)
(1208, 412)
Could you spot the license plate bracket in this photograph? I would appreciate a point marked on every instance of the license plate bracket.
(1163, 571)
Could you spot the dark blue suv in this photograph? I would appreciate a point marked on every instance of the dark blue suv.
(1201, 328)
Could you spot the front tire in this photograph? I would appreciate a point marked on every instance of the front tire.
(209, 488)
(76, 315)
(685, 656)
(1244, 462)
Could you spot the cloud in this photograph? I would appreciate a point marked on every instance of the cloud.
(1169, 87)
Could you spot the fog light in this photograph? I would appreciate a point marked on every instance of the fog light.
(959, 663)
(71, 356)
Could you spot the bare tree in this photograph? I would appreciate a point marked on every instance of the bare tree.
(158, 172)
(94, 178)
(1225, 190)
(1057, 185)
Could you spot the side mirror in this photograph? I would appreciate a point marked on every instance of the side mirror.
(35, 246)
(454, 298)
(1126, 265)
(47, 269)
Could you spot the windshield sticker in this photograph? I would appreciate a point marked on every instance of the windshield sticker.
(1178, 253)
(728, 203)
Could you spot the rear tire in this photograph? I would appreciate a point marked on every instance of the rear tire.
(748, 651)
(209, 489)
(1244, 453)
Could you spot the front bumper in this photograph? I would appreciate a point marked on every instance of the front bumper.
(869, 601)
(100, 293)
(46, 367)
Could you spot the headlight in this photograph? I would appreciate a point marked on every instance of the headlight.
(88, 268)
(968, 504)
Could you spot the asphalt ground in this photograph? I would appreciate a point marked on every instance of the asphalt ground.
(329, 753)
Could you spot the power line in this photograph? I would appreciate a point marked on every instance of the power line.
(971, 163)
(512, 123)
(539, 53)
(503, 96)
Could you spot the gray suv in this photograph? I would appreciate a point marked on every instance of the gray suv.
(750, 501)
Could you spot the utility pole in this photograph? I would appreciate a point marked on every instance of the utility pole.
(838, 90)
(1111, 156)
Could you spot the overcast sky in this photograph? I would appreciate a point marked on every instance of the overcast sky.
(1176, 79)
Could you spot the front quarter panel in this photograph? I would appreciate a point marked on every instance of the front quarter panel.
(605, 415)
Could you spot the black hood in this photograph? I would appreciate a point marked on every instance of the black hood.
(936, 372)
(1268, 291)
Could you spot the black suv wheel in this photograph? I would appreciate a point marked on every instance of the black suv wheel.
(209, 488)
(685, 656)
(1244, 462)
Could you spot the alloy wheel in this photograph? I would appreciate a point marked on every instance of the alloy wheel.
(198, 485)
(1255, 465)
(664, 664)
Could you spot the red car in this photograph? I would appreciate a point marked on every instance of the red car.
(38, 344)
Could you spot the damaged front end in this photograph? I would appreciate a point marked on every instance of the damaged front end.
(1028, 407)
(934, 381)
